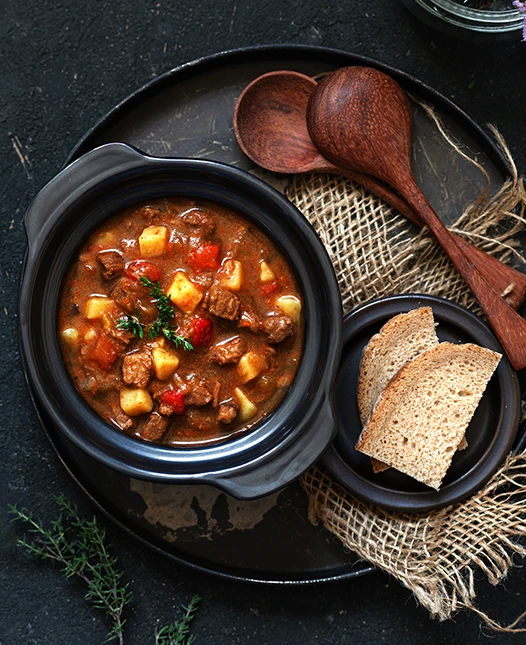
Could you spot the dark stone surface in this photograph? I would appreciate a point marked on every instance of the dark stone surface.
(62, 66)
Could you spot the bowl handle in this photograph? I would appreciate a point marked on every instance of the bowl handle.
(277, 471)
(77, 178)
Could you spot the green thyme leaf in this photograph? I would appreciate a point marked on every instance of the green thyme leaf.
(176, 633)
(179, 341)
(162, 326)
(132, 324)
(79, 546)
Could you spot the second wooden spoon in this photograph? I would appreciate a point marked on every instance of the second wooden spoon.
(360, 117)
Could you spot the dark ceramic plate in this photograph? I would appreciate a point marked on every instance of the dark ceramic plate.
(490, 434)
(187, 112)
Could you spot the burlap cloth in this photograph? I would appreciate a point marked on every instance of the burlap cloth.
(376, 252)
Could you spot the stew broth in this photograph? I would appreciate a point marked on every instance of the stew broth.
(181, 322)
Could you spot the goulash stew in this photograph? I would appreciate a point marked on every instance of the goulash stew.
(181, 322)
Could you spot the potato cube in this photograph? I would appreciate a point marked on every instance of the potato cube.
(153, 241)
(97, 307)
(251, 365)
(106, 238)
(265, 272)
(184, 293)
(135, 401)
(164, 363)
(70, 335)
(231, 275)
(290, 306)
(90, 335)
(108, 321)
(246, 408)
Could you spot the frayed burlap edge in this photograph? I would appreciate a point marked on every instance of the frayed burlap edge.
(435, 555)
(375, 253)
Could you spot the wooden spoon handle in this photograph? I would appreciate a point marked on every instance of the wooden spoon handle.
(507, 324)
(501, 277)
(509, 283)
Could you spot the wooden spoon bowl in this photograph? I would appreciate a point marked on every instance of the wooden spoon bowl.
(270, 123)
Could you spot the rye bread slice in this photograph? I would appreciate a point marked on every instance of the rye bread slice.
(400, 340)
(422, 415)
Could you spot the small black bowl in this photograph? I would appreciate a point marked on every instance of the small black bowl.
(100, 184)
(490, 434)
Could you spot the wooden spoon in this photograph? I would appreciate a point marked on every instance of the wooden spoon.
(270, 124)
(360, 118)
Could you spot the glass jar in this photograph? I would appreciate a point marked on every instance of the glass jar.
(482, 25)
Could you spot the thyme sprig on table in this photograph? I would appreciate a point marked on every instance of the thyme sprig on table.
(79, 546)
(162, 326)
(177, 632)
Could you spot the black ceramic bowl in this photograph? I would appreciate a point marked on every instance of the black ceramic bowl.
(79, 199)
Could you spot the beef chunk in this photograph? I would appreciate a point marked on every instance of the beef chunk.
(121, 334)
(146, 308)
(201, 394)
(227, 412)
(150, 213)
(125, 293)
(155, 427)
(223, 303)
(228, 351)
(200, 223)
(166, 410)
(111, 263)
(277, 328)
(234, 244)
(137, 369)
(120, 419)
(249, 320)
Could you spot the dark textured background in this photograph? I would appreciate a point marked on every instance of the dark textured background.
(62, 66)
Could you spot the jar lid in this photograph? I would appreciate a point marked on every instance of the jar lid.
(490, 434)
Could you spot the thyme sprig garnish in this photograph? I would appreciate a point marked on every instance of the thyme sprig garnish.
(79, 546)
(132, 324)
(179, 341)
(165, 313)
(162, 325)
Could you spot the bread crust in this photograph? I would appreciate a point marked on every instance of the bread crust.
(392, 344)
(395, 330)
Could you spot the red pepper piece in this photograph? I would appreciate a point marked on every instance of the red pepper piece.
(142, 268)
(204, 257)
(105, 351)
(175, 399)
(267, 289)
(203, 330)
